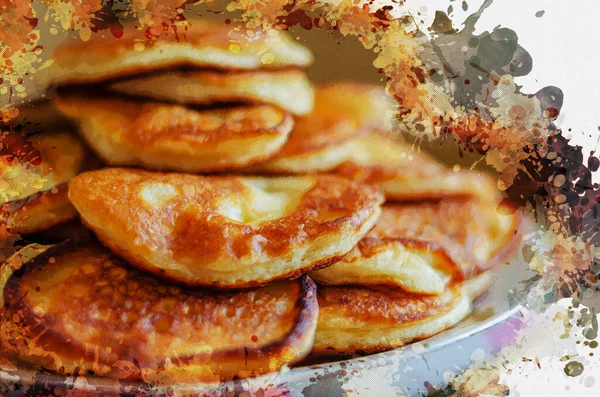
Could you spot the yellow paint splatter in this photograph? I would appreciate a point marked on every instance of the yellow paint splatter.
(267, 58)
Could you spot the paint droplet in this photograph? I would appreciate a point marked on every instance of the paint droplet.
(234, 48)
(590, 333)
(540, 13)
(456, 167)
(267, 58)
(573, 368)
(501, 185)
(139, 46)
(559, 180)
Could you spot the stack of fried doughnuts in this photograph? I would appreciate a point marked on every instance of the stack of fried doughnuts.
(229, 184)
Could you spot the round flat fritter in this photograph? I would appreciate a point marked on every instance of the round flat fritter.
(355, 319)
(78, 308)
(177, 138)
(423, 246)
(204, 44)
(225, 231)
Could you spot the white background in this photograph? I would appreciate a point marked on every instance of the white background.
(564, 44)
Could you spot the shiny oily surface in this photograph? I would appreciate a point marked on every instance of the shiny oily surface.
(204, 44)
(423, 246)
(79, 306)
(224, 231)
(177, 138)
(288, 89)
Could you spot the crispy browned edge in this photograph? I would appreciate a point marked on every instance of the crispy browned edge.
(306, 318)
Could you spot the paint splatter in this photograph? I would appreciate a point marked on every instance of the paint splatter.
(573, 368)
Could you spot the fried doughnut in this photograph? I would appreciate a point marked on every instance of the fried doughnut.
(172, 137)
(33, 175)
(423, 246)
(225, 231)
(404, 174)
(205, 45)
(79, 309)
(321, 140)
(288, 89)
(354, 319)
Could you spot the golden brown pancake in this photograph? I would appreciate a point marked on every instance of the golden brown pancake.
(321, 140)
(225, 231)
(405, 174)
(204, 45)
(422, 246)
(354, 319)
(172, 137)
(75, 309)
(288, 89)
(33, 175)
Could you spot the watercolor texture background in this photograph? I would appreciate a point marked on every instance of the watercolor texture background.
(554, 351)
